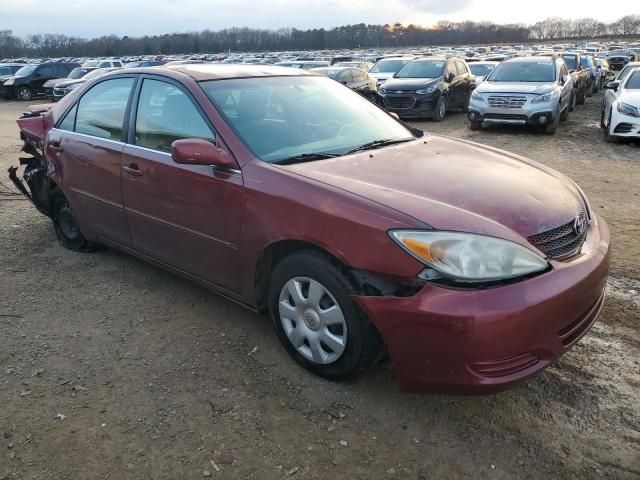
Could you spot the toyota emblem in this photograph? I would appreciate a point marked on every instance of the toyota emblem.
(579, 225)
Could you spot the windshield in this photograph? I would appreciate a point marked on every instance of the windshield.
(78, 73)
(624, 73)
(388, 66)
(421, 69)
(26, 70)
(634, 81)
(329, 72)
(523, 72)
(570, 60)
(90, 63)
(481, 70)
(283, 117)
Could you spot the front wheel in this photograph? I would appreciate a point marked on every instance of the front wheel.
(441, 109)
(607, 129)
(317, 321)
(24, 93)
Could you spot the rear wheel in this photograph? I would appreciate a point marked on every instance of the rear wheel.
(590, 89)
(66, 226)
(440, 112)
(582, 96)
(24, 93)
(317, 321)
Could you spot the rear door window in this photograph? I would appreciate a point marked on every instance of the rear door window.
(165, 114)
(46, 71)
(102, 109)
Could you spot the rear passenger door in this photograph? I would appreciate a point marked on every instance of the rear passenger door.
(87, 144)
(185, 216)
(41, 75)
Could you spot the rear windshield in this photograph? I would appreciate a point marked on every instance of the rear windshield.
(388, 66)
(523, 72)
(78, 73)
(480, 70)
(421, 69)
(570, 60)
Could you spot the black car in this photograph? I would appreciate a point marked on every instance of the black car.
(354, 78)
(428, 87)
(30, 79)
(619, 58)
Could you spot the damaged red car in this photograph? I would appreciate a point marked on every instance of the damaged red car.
(472, 267)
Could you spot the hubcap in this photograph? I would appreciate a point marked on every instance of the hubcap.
(443, 109)
(312, 320)
(68, 225)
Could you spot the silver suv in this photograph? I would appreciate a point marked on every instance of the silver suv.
(525, 91)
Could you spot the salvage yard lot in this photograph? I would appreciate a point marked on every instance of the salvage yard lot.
(160, 379)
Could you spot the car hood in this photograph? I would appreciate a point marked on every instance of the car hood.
(407, 83)
(452, 184)
(632, 97)
(534, 88)
(55, 81)
(66, 83)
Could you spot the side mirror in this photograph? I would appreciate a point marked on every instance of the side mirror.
(612, 86)
(450, 78)
(344, 82)
(394, 115)
(196, 151)
(564, 79)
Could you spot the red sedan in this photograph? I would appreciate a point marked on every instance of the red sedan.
(289, 193)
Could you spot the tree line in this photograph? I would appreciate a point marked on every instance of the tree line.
(348, 36)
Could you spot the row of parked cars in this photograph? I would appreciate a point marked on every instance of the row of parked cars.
(538, 90)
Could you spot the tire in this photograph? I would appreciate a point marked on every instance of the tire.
(572, 103)
(475, 125)
(66, 226)
(440, 112)
(355, 343)
(602, 123)
(581, 97)
(607, 126)
(551, 128)
(24, 93)
(465, 106)
(564, 115)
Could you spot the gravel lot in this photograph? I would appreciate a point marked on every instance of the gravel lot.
(159, 379)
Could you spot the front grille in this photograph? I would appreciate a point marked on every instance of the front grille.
(623, 128)
(399, 102)
(504, 101)
(562, 241)
(505, 116)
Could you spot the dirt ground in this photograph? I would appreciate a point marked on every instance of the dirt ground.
(156, 378)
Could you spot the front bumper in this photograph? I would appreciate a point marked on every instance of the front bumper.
(529, 114)
(444, 340)
(410, 105)
(624, 126)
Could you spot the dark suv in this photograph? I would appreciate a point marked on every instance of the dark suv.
(29, 80)
(428, 87)
(579, 75)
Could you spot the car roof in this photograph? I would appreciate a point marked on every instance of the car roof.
(13, 64)
(536, 58)
(222, 71)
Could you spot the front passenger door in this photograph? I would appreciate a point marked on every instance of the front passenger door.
(186, 216)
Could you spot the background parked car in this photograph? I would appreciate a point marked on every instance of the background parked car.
(75, 74)
(8, 69)
(526, 91)
(29, 80)
(366, 66)
(304, 64)
(428, 87)
(145, 63)
(626, 70)
(619, 58)
(63, 88)
(579, 75)
(621, 108)
(103, 63)
(354, 78)
(589, 64)
(481, 70)
(606, 74)
(385, 68)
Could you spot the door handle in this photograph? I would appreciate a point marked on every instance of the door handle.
(132, 169)
(55, 147)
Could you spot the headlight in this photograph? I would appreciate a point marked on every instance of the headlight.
(424, 91)
(477, 97)
(542, 98)
(73, 86)
(468, 257)
(625, 109)
(382, 90)
(9, 82)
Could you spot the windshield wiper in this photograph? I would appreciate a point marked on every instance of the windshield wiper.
(305, 157)
(378, 144)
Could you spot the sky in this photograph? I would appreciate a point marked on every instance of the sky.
(91, 18)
